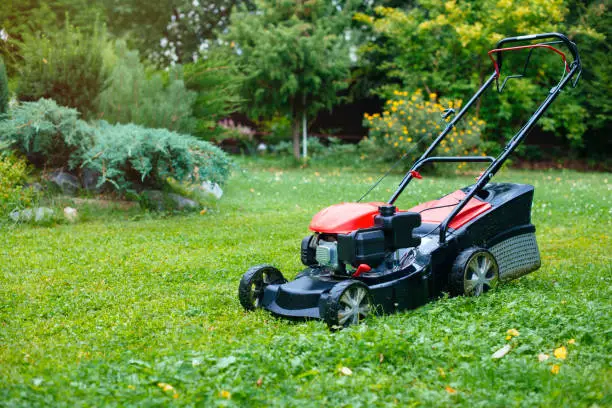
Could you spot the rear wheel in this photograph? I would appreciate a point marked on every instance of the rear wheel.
(349, 303)
(254, 282)
(474, 272)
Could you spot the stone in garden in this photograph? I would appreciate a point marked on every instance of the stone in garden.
(42, 214)
(212, 188)
(68, 183)
(71, 214)
(36, 187)
(90, 179)
(39, 214)
(158, 200)
(183, 202)
(154, 199)
(22, 216)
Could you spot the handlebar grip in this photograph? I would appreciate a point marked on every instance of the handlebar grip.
(570, 45)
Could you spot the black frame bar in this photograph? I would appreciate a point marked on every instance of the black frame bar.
(496, 163)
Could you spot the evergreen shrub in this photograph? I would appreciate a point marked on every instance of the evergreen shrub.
(66, 67)
(155, 100)
(128, 155)
(48, 134)
(125, 155)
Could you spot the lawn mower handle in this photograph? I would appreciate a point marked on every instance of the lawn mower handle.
(575, 70)
(570, 45)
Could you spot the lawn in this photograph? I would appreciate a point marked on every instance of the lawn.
(143, 311)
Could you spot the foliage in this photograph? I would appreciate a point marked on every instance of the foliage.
(441, 46)
(4, 89)
(217, 80)
(13, 192)
(276, 129)
(65, 66)
(50, 135)
(192, 29)
(129, 154)
(130, 95)
(87, 330)
(53, 136)
(23, 18)
(295, 56)
(411, 121)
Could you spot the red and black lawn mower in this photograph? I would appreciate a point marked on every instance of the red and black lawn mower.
(372, 257)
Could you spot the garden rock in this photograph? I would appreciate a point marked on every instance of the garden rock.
(212, 188)
(39, 214)
(68, 183)
(42, 214)
(90, 179)
(183, 203)
(71, 214)
(36, 187)
(160, 201)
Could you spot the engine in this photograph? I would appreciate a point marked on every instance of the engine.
(372, 246)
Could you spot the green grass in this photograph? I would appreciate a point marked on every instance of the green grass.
(101, 312)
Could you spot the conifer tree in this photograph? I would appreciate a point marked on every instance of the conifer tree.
(295, 56)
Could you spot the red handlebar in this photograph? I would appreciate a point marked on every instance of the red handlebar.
(490, 53)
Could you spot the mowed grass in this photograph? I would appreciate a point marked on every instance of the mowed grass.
(117, 311)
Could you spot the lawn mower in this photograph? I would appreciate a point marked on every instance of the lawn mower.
(371, 257)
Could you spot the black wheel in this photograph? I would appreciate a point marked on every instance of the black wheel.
(474, 272)
(253, 283)
(349, 303)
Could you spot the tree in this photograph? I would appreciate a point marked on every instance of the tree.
(442, 46)
(295, 56)
(66, 67)
(157, 100)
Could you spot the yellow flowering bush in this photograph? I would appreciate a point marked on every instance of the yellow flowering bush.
(411, 121)
(13, 194)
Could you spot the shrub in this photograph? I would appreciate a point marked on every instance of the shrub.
(217, 81)
(65, 66)
(410, 122)
(132, 96)
(48, 134)
(126, 155)
(13, 193)
(4, 90)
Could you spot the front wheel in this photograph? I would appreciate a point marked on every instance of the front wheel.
(349, 303)
(474, 272)
(254, 282)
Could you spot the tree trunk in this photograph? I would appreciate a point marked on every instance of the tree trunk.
(296, 135)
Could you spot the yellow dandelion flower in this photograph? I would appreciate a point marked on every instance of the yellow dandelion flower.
(513, 332)
(432, 96)
(409, 140)
(555, 369)
(560, 353)
(225, 394)
(395, 144)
